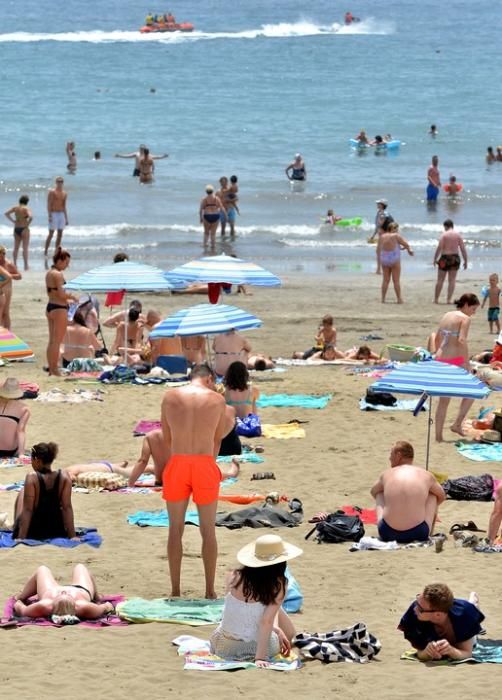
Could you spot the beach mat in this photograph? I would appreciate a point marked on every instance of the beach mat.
(480, 451)
(486, 651)
(9, 462)
(12, 348)
(400, 405)
(293, 400)
(88, 535)
(10, 620)
(282, 431)
(198, 657)
(159, 518)
(187, 611)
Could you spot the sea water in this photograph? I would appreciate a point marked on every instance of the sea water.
(251, 86)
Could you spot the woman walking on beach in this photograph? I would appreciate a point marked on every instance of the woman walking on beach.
(57, 308)
(450, 343)
(211, 212)
(389, 247)
(22, 220)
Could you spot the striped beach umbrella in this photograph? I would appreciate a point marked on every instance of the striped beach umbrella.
(224, 269)
(125, 276)
(430, 379)
(13, 348)
(205, 319)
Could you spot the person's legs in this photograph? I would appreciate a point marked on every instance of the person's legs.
(230, 471)
(284, 622)
(440, 418)
(379, 505)
(213, 227)
(26, 244)
(15, 249)
(83, 577)
(452, 276)
(439, 285)
(396, 281)
(206, 233)
(379, 265)
(385, 282)
(59, 318)
(5, 315)
(465, 405)
(207, 517)
(45, 580)
(59, 238)
(18, 504)
(431, 511)
(176, 511)
(48, 241)
(496, 516)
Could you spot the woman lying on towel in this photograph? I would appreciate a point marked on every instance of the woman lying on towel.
(254, 625)
(67, 604)
(121, 468)
(43, 507)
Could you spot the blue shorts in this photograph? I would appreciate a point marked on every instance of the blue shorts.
(388, 534)
(231, 215)
(493, 313)
(432, 193)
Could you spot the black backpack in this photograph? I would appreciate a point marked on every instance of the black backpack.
(338, 527)
(379, 398)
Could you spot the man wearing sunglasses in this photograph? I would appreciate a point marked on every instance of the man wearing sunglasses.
(440, 626)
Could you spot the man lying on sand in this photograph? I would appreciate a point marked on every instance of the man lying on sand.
(407, 498)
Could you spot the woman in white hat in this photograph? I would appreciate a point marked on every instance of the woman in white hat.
(14, 416)
(254, 625)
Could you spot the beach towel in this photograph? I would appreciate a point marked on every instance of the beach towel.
(251, 457)
(294, 400)
(188, 611)
(374, 543)
(11, 620)
(480, 451)
(400, 405)
(145, 426)
(15, 486)
(88, 535)
(198, 657)
(13, 348)
(9, 462)
(367, 515)
(487, 651)
(262, 516)
(159, 518)
(353, 644)
(76, 396)
(282, 431)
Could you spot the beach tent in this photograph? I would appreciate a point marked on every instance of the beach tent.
(13, 348)
(430, 379)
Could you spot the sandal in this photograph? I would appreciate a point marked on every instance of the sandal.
(470, 525)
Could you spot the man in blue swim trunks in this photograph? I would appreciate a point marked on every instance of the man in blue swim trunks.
(407, 498)
(433, 181)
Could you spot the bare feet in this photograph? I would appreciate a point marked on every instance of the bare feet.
(175, 593)
(234, 469)
(456, 429)
(211, 595)
(400, 301)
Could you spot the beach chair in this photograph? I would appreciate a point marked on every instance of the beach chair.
(174, 364)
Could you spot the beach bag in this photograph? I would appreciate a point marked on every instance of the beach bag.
(377, 398)
(338, 527)
(469, 488)
(249, 427)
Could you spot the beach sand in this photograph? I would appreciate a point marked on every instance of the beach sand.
(342, 455)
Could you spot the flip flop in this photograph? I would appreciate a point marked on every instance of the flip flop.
(470, 525)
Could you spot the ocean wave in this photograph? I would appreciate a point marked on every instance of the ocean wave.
(280, 30)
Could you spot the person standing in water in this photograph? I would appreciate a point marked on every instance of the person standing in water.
(57, 213)
(296, 170)
(433, 181)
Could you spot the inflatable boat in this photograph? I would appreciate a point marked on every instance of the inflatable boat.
(162, 28)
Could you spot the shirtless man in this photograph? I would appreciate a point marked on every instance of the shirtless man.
(447, 258)
(193, 423)
(137, 155)
(56, 210)
(433, 181)
(407, 498)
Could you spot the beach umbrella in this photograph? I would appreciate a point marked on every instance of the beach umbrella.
(430, 379)
(223, 269)
(205, 319)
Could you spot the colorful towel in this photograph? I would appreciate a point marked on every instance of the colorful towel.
(282, 431)
(88, 535)
(244, 457)
(486, 651)
(11, 620)
(198, 657)
(400, 405)
(194, 612)
(145, 426)
(353, 644)
(9, 462)
(367, 515)
(294, 400)
(159, 518)
(13, 348)
(480, 451)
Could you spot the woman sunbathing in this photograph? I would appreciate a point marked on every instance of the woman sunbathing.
(120, 468)
(67, 604)
(362, 353)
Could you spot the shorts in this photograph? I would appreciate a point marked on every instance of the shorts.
(195, 475)
(231, 215)
(493, 313)
(449, 262)
(211, 218)
(432, 193)
(388, 534)
(57, 221)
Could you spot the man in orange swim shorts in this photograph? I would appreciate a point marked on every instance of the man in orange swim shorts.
(193, 424)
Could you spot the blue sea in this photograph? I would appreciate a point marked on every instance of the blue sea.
(251, 86)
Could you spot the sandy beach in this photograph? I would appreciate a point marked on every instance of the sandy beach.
(342, 455)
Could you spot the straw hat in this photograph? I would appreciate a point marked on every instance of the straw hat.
(266, 551)
(10, 389)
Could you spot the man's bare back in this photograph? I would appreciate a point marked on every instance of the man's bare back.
(405, 491)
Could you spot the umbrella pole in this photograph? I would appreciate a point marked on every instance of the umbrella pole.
(126, 323)
(208, 352)
(430, 421)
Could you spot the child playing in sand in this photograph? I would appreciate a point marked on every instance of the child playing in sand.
(492, 293)
(254, 625)
(325, 336)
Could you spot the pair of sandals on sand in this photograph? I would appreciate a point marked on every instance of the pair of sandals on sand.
(458, 530)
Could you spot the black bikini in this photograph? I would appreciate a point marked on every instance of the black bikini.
(16, 419)
(52, 307)
(77, 585)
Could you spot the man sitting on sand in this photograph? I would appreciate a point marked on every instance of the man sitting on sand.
(441, 626)
(407, 498)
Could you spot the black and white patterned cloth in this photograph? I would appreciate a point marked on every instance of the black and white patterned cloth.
(354, 644)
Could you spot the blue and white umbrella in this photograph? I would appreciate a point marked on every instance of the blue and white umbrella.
(432, 379)
(224, 269)
(125, 276)
(205, 319)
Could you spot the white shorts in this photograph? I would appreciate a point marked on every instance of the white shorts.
(57, 221)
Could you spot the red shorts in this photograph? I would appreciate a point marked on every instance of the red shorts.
(195, 475)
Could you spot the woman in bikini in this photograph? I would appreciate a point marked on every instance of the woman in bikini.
(239, 393)
(450, 343)
(57, 308)
(8, 273)
(14, 416)
(79, 341)
(389, 247)
(22, 220)
(43, 507)
(211, 212)
(64, 604)
(229, 347)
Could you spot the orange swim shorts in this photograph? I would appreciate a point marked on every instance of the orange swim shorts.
(195, 475)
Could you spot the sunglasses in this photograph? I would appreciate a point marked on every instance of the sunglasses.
(421, 609)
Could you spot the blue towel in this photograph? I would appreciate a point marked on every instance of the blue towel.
(480, 452)
(293, 400)
(88, 535)
(159, 518)
(401, 405)
(294, 597)
(488, 651)
(244, 457)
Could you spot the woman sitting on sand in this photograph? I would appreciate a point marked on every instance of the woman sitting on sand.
(389, 247)
(43, 507)
(254, 625)
(239, 393)
(14, 416)
(65, 605)
(79, 340)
